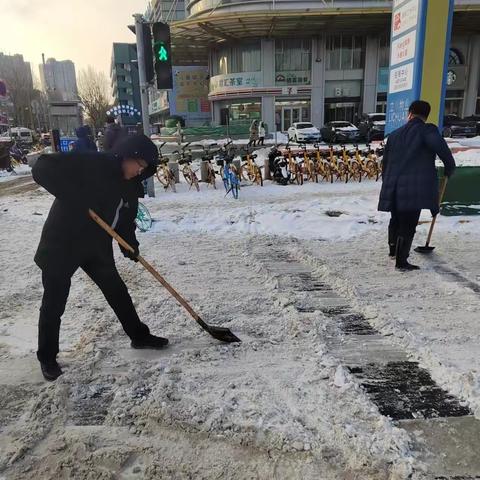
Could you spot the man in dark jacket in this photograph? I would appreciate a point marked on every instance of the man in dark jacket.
(410, 181)
(84, 142)
(113, 133)
(110, 185)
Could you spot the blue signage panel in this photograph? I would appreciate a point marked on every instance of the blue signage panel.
(406, 59)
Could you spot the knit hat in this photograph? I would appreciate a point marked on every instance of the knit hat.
(137, 146)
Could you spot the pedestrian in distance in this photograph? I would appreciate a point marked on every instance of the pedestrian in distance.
(109, 184)
(84, 142)
(261, 133)
(253, 133)
(113, 133)
(410, 181)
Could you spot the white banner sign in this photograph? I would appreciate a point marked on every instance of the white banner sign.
(403, 48)
(405, 17)
(235, 81)
(401, 78)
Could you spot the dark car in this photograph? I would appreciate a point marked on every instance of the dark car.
(342, 132)
(476, 120)
(372, 126)
(455, 126)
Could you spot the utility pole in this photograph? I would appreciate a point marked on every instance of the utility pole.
(143, 88)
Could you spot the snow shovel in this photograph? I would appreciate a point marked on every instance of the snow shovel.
(220, 333)
(427, 248)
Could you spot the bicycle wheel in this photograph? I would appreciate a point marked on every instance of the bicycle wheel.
(245, 172)
(187, 176)
(355, 171)
(211, 177)
(195, 181)
(258, 176)
(371, 170)
(143, 220)
(161, 177)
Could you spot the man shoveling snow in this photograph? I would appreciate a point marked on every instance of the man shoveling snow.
(110, 184)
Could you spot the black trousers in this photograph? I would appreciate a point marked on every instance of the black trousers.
(403, 225)
(56, 289)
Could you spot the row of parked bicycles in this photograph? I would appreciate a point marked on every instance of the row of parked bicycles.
(287, 165)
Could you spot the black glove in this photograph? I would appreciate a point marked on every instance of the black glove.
(131, 255)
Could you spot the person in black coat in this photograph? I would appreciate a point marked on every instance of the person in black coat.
(410, 181)
(84, 141)
(113, 134)
(109, 184)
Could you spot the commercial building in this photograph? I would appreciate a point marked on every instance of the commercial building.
(59, 82)
(307, 60)
(125, 82)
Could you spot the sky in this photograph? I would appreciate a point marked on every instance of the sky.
(79, 30)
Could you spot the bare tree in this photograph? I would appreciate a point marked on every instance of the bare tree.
(94, 96)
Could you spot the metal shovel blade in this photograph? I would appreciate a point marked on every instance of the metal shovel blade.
(223, 334)
(220, 333)
(425, 249)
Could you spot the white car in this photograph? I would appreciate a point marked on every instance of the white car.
(303, 132)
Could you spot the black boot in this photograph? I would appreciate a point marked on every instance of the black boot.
(51, 370)
(402, 253)
(392, 250)
(149, 342)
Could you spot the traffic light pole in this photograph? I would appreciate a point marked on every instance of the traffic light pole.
(143, 89)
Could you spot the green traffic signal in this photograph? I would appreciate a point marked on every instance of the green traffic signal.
(162, 52)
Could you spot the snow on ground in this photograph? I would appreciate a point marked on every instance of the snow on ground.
(278, 405)
(20, 170)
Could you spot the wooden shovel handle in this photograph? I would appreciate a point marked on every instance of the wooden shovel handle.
(443, 187)
(147, 265)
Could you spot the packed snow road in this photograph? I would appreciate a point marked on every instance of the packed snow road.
(287, 269)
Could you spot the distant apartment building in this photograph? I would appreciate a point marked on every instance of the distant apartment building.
(16, 73)
(125, 82)
(59, 82)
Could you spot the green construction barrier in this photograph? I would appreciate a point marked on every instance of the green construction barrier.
(462, 196)
(207, 132)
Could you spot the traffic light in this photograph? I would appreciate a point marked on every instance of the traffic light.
(147, 52)
(162, 54)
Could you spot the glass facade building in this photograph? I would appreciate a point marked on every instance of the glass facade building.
(286, 61)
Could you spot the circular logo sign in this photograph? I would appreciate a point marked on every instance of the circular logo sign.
(451, 77)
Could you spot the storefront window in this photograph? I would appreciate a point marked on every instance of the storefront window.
(240, 112)
(342, 111)
(454, 102)
(289, 112)
(345, 52)
(238, 59)
(293, 61)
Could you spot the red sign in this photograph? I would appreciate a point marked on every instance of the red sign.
(397, 22)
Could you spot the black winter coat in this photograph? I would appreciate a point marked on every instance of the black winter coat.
(80, 181)
(410, 179)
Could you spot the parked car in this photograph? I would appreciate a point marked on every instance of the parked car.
(303, 132)
(342, 132)
(19, 134)
(455, 126)
(476, 119)
(372, 126)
